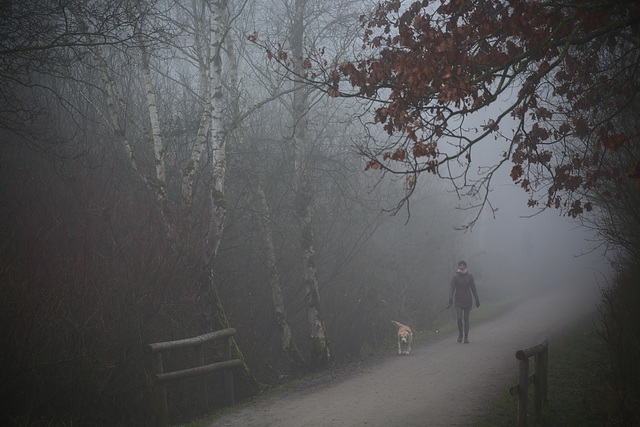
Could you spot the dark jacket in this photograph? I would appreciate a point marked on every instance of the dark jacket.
(462, 284)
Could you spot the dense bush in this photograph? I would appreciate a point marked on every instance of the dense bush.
(621, 331)
(87, 280)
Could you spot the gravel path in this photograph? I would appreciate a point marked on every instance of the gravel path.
(442, 382)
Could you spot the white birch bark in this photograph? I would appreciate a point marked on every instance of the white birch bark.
(115, 103)
(320, 344)
(203, 54)
(210, 135)
(208, 296)
(258, 202)
(159, 152)
(156, 131)
(218, 139)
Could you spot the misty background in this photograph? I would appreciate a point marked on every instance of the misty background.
(165, 172)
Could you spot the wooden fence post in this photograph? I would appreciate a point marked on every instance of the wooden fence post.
(537, 390)
(204, 401)
(540, 352)
(228, 375)
(158, 393)
(523, 394)
(544, 373)
(159, 377)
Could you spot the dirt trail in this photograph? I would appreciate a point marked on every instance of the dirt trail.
(441, 383)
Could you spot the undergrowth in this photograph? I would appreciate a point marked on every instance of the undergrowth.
(576, 394)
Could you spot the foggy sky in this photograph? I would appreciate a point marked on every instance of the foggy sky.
(524, 247)
(518, 251)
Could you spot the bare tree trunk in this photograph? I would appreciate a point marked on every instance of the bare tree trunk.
(115, 102)
(320, 352)
(211, 306)
(258, 201)
(210, 135)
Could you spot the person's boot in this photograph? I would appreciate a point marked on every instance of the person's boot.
(460, 337)
(466, 339)
(459, 330)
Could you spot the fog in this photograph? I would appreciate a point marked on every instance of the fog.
(151, 195)
(545, 247)
(513, 250)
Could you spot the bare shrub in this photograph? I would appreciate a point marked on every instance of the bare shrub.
(621, 331)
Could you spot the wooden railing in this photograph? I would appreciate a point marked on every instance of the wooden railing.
(540, 353)
(158, 391)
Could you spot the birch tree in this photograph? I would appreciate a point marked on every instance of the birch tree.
(206, 23)
(320, 351)
(123, 65)
(257, 199)
(296, 48)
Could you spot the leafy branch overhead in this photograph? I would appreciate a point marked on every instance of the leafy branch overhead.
(562, 75)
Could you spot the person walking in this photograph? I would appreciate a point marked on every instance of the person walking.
(462, 285)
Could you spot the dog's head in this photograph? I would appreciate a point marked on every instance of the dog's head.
(404, 337)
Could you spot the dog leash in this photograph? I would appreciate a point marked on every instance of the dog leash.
(438, 312)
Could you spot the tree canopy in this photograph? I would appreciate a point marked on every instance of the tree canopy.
(563, 75)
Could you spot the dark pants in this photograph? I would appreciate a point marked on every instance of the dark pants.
(460, 312)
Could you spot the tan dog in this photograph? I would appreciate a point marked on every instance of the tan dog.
(405, 336)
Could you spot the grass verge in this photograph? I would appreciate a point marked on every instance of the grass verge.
(576, 395)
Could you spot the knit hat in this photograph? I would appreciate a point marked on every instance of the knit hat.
(463, 263)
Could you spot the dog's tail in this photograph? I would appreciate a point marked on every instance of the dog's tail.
(398, 324)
